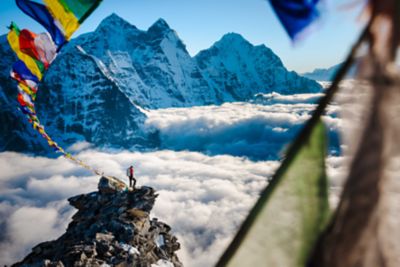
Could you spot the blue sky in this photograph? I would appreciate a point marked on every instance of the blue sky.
(200, 23)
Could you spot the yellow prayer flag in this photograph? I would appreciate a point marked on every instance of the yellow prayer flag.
(30, 63)
(67, 19)
(25, 89)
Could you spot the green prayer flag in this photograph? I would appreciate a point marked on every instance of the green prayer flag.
(80, 8)
(285, 223)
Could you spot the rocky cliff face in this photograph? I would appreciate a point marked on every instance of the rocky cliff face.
(238, 70)
(154, 69)
(96, 88)
(89, 106)
(112, 227)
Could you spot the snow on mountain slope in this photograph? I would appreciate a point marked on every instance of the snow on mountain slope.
(154, 69)
(240, 70)
(88, 107)
(100, 84)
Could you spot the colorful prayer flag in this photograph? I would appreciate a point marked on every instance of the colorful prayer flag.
(36, 51)
(21, 71)
(67, 19)
(42, 15)
(33, 65)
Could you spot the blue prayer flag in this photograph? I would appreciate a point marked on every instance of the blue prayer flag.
(296, 15)
(27, 111)
(42, 15)
(22, 70)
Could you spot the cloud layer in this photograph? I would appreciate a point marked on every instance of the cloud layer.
(204, 195)
(204, 198)
(259, 132)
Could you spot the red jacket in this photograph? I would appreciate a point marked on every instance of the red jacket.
(130, 171)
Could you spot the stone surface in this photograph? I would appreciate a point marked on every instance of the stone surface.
(112, 227)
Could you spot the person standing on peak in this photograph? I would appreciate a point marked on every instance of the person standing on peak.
(130, 173)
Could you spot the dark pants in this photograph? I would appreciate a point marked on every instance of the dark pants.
(132, 180)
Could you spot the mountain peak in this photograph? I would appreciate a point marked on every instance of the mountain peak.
(161, 23)
(114, 20)
(233, 36)
(233, 39)
(160, 26)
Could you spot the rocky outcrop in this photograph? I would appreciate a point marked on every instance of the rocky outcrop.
(111, 228)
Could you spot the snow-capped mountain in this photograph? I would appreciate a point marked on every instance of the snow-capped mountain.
(88, 105)
(152, 68)
(237, 70)
(328, 74)
(98, 86)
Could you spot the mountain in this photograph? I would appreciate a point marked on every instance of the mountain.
(152, 68)
(112, 227)
(98, 87)
(328, 74)
(88, 105)
(237, 70)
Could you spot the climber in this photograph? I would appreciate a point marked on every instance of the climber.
(130, 174)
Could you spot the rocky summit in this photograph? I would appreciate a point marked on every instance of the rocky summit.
(111, 228)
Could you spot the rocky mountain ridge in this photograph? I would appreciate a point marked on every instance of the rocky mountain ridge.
(327, 74)
(98, 86)
(112, 227)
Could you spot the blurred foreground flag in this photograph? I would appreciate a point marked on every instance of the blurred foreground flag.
(285, 223)
(296, 15)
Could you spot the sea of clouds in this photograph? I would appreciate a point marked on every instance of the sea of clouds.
(214, 162)
(258, 131)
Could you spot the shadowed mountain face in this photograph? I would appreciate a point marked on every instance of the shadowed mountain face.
(96, 88)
